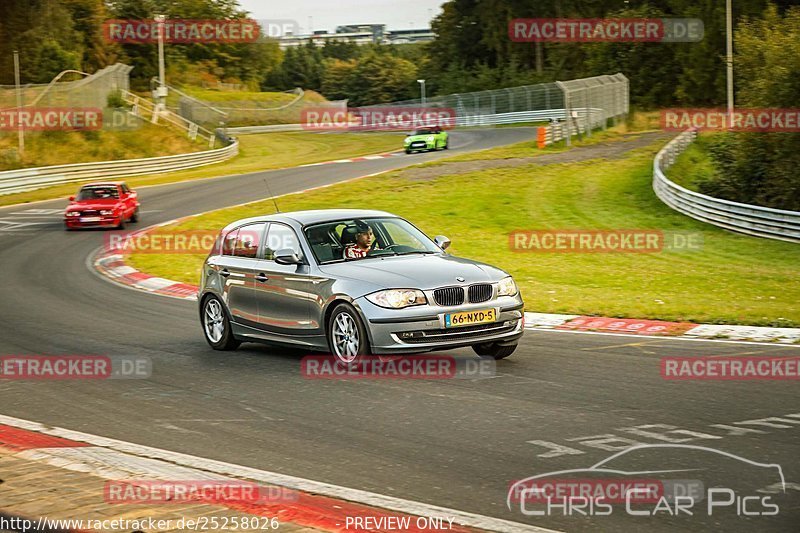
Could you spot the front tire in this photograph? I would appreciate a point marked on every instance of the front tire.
(135, 216)
(408, 151)
(121, 224)
(347, 336)
(217, 326)
(494, 349)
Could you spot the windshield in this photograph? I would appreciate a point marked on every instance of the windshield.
(424, 131)
(354, 239)
(98, 193)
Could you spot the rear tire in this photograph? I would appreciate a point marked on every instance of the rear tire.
(347, 336)
(494, 349)
(217, 326)
(135, 216)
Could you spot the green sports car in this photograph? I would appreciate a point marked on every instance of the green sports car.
(428, 138)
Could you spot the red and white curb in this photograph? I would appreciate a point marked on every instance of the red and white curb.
(354, 159)
(633, 326)
(112, 266)
(314, 504)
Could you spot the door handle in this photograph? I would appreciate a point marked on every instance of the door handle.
(262, 278)
(224, 272)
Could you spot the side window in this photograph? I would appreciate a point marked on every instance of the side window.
(125, 189)
(280, 237)
(229, 242)
(248, 239)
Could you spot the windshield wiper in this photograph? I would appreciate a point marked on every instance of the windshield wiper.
(384, 253)
(424, 252)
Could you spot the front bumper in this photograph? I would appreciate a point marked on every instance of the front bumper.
(422, 328)
(421, 145)
(92, 222)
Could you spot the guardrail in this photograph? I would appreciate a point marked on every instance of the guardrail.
(462, 121)
(30, 179)
(743, 218)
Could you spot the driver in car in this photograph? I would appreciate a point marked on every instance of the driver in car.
(365, 242)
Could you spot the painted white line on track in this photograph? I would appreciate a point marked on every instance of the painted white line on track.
(119, 458)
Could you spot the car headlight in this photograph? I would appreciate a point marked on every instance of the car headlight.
(73, 213)
(407, 140)
(430, 139)
(106, 212)
(398, 298)
(507, 287)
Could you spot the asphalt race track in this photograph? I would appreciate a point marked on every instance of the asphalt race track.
(453, 443)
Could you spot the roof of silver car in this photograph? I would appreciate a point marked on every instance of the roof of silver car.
(316, 216)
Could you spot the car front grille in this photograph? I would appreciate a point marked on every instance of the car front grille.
(449, 296)
(457, 334)
(480, 293)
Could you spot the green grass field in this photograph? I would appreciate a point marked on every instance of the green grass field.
(63, 147)
(733, 279)
(257, 152)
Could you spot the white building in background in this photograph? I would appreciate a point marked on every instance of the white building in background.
(360, 34)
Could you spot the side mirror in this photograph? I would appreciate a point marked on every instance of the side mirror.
(442, 242)
(287, 257)
(71, 198)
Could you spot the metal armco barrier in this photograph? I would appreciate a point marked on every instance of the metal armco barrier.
(743, 218)
(461, 121)
(29, 179)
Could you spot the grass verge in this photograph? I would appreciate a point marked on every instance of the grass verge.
(259, 152)
(65, 147)
(732, 279)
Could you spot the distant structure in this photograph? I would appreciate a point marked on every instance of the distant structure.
(359, 34)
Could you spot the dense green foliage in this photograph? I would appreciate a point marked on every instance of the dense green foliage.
(762, 168)
(472, 51)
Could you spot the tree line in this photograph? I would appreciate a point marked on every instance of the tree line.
(471, 51)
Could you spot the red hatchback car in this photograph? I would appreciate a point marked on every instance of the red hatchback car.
(108, 204)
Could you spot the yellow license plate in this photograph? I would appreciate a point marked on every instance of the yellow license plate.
(470, 318)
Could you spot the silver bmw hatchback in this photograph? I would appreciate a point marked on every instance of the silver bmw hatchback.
(353, 282)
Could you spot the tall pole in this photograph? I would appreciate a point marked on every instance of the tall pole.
(162, 84)
(422, 91)
(21, 131)
(729, 56)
